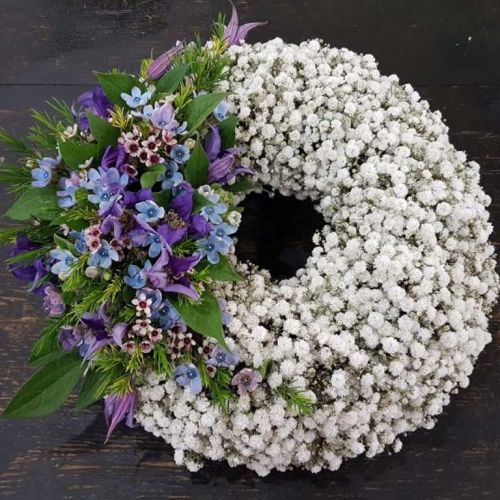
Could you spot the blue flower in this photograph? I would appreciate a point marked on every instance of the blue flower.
(223, 231)
(221, 357)
(65, 260)
(172, 177)
(155, 244)
(147, 112)
(149, 211)
(213, 213)
(42, 175)
(67, 196)
(221, 111)
(104, 256)
(211, 247)
(180, 153)
(107, 186)
(136, 97)
(136, 277)
(79, 241)
(188, 375)
(166, 315)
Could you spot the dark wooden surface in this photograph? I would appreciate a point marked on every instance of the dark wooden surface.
(449, 49)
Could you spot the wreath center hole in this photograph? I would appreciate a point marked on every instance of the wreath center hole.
(276, 233)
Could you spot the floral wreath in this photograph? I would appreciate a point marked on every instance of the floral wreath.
(125, 221)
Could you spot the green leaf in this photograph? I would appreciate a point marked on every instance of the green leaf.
(197, 166)
(223, 271)
(227, 130)
(75, 154)
(91, 390)
(163, 198)
(64, 244)
(203, 317)
(35, 202)
(114, 84)
(200, 108)
(104, 133)
(199, 201)
(240, 186)
(47, 389)
(169, 82)
(152, 175)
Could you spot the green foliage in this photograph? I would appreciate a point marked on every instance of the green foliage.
(47, 346)
(161, 362)
(46, 130)
(76, 154)
(200, 108)
(219, 387)
(223, 271)
(227, 130)
(171, 80)
(103, 132)
(163, 198)
(296, 399)
(47, 389)
(16, 145)
(17, 178)
(196, 171)
(152, 175)
(27, 257)
(114, 84)
(93, 388)
(240, 186)
(199, 201)
(40, 203)
(204, 316)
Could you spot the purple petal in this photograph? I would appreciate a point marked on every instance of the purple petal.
(220, 168)
(232, 27)
(118, 331)
(183, 202)
(162, 63)
(180, 265)
(213, 144)
(183, 289)
(199, 227)
(244, 30)
(171, 235)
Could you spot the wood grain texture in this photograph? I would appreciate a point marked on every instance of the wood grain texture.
(448, 49)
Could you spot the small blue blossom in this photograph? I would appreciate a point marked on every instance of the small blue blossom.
(221, 111)
(79, 238)
(149, 211)
(42, 175)
(213, 213)
(104, 256)
(180, 153)
(136, 98)
(211, 247)
(188, 375)
(172, 177)
(67, 197)
(166, 315)
(223, 231)
(136, 277)
(155, 244)
(65, 260)
(221, 357)
(147, 112)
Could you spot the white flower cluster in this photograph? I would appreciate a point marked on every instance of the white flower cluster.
(390, 312)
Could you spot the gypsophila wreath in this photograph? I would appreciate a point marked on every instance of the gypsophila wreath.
(126, 213)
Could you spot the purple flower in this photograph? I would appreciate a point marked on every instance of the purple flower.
(32, 273)
(94, 101)
(163, 117)
(246, 380)
(118, 407)
(53, 302)
(114, 157)
(42, 175)
(188, 375)
(163, 62)
(70, 337)
(107, 185)
(233, 33)
(182, 202)
(221, 357)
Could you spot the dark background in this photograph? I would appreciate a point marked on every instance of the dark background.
(449, 49)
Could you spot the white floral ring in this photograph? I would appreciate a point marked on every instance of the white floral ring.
(390, 312)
